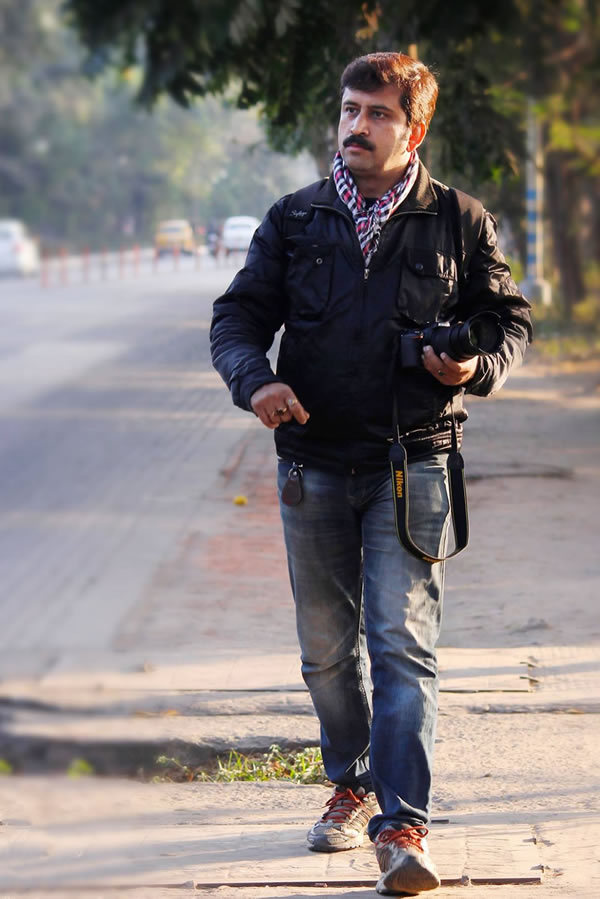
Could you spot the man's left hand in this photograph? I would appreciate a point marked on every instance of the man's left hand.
(446, 370)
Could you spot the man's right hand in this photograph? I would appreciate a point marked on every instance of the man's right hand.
(274, 403)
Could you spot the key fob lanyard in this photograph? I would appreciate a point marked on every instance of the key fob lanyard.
(458, 495)
(292, 492)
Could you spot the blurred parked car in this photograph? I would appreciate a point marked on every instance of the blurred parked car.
(175, 235)
(18, 251)
(238, 232)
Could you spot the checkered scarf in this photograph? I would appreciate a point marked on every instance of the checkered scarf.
(370, 220)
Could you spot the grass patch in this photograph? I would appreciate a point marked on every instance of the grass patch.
(556, 340)
(566, 346)
(302, 766)
(80, 768)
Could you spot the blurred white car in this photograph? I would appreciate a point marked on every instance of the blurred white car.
(18, 251)
(237, 233)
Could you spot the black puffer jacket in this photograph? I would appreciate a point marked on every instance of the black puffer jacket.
(341, 322)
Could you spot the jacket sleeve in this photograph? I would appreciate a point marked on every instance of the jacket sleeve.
(251, 311)
(490, 287)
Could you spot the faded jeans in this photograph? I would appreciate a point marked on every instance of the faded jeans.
(368, 616)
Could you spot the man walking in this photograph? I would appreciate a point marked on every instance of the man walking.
(351, 267)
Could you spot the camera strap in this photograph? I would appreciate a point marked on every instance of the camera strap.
(457, 490)
(466, 214)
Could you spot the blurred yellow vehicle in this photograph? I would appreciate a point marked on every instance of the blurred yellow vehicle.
(174, 236)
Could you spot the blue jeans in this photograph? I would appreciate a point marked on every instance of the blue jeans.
(368, 615)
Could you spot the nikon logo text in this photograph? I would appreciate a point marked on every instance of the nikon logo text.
(399, 484)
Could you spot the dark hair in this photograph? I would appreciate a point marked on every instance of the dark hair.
(418, 86)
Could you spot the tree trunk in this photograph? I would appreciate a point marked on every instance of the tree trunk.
(322, 146)
(561, 192)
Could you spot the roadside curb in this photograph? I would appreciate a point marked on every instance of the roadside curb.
(122, 724)
(130, 747)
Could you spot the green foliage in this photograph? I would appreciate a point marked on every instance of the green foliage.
(304, 766)
(81, 164)
(5, 768)
(77, 159)
(481, 51)
(564, 334)
(287, 56)
(516, 267)
(189, 49)
(566, 344)
(80, 768)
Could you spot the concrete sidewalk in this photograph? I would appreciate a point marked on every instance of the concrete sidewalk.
(207, 661)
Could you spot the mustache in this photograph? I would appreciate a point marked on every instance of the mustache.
(359, 140)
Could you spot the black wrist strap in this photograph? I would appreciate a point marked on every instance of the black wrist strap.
(458, 495)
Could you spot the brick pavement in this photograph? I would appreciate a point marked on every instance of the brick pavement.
(226, 586)
(506, 764)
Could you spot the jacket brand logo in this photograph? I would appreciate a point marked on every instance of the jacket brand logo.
(298, 213)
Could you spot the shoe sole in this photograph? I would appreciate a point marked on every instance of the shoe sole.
(326, 844)
(408, 879)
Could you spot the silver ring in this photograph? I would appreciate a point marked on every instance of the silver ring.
(291, 401)
(280, 411)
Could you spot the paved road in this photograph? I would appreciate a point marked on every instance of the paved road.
(117, 536)
(113, 425)
(114, 428)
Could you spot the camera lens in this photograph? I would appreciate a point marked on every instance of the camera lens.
(478, 336)
(483, 334)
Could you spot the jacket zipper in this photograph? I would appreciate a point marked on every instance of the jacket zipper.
(348, 218)
(366, 268)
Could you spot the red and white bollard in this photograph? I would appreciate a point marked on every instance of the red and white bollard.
(44, 269)
(85, 264)
(64, 273)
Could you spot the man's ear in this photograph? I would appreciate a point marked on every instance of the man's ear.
(417, 136)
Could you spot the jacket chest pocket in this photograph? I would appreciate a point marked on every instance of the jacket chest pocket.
(308, 278)
(428, 289)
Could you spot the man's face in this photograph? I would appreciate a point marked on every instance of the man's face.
(374, 137)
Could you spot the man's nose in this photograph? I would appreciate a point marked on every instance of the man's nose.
(360, 125)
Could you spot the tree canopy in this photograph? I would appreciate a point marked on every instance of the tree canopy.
(283, 59)
(81, 164)
(286, 56)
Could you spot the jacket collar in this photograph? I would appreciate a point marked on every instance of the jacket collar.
(422, 197)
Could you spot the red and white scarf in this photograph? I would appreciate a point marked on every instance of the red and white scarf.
(369, 220)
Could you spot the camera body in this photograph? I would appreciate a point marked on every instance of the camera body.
(479, 335)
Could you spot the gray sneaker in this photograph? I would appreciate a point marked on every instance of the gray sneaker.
(405, 864)
(344, 823)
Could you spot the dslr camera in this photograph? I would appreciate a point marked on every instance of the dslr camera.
(479, 335)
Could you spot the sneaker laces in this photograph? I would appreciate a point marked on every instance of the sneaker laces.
(341, 805)
(410, 836)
